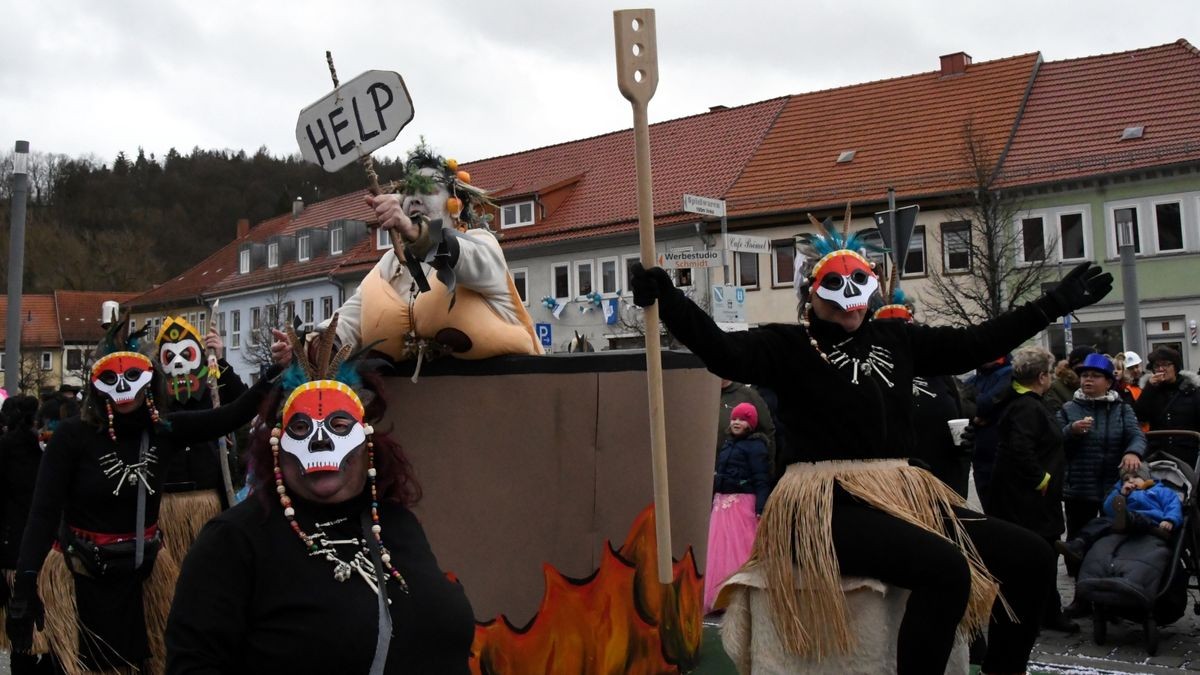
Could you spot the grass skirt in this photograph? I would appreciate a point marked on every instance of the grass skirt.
(181, 515)
(795, 539)
(56, 585)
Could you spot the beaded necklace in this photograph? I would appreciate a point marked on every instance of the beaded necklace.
(310, 543)
(878, 360)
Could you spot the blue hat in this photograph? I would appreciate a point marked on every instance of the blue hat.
(1099, 363)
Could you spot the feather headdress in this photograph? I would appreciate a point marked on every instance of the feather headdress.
(813, 249)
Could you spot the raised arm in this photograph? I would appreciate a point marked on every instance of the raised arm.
(752, 357)
(944, 350)
(207, 425)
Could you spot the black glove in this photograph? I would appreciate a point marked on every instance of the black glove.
(648, 285)
(1085, 285)
(25, 611)
(920, 464)
(966, 443)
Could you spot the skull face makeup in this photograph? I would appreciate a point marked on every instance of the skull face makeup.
(181, 354)
(845, 278)
(322, 424)
(122, 375)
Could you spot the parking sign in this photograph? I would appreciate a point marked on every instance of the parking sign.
(544, 334)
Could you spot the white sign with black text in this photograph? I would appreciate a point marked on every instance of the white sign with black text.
(355, 119)
(704, 206)
(747, 243)
(729, 304)
(680, 260)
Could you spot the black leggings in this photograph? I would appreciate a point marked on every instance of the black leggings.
(871, 543)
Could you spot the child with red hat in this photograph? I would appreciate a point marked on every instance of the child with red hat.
(741, 483)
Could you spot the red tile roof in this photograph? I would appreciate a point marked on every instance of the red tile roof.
(907, 133)
(701, 154)
(351, 206)
(39, 321)
(79, 314)
(1078, 109)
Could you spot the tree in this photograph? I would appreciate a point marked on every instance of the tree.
(1000, 272)
(31, 377)
(276, 313)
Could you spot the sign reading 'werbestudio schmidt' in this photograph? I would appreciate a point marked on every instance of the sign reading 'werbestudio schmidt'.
(354, 120)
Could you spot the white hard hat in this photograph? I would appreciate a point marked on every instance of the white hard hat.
(1132, 359)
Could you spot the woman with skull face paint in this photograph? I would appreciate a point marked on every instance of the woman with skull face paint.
(324, 569)
(193, 491)
(852, 504)
(106, 586)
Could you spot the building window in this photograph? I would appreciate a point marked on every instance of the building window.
(201, 326)
(244, 261)
(747, 269)
(1033, 240)
(47, 360)
(560, 281)
(1168, 225)
(956, 246)
(221, 324)
(308, 312)
(520, 276)
(326, 307)
(628, 261)
(289, 311)
(336, 235)
(1127, 215)
(682, 276)
(783, 262)
(609, 276)
(383, 238)
(272, 316)
(914, 258)
(584, 277)
(302, 248)
(273, 254)
(255, 324)
(235, 326)
(1071, 244)
(74, 359)
(516, 215)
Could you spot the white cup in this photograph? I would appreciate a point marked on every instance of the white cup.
(956, 429)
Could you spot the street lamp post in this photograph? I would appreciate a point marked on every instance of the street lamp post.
(1129, 289)
(16, 266)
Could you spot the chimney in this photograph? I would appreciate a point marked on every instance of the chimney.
(243, 227)
(717, 107)
(955, 64)
(297, 207)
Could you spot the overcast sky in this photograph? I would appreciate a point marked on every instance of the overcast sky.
(486, 77)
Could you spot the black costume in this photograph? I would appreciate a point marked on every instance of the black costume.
(251, 600)
(197, 466)
(88, 490)
(937, 400)
(856, 404)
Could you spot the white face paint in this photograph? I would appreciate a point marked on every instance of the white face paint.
(180, 358)
(432, 206)
(122, 376)
(322, 444)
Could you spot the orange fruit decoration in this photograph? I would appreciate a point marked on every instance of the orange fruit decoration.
(452, 164)
(453, 206)
(463, 177)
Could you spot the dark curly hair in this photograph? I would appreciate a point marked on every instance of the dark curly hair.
(394, 477)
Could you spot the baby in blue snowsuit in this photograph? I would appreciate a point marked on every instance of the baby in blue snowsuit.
(1135, 505)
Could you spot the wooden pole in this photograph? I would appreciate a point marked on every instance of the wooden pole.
(637, 78)
(214, 391)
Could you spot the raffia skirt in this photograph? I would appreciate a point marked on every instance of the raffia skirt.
(794, 547)
(63, 631)
(181, 515)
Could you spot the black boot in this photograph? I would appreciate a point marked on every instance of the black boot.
(1072, 551)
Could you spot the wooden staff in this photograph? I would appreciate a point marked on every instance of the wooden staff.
(637, 78)
(214, 391)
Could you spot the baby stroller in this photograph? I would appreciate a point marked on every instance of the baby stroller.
(1142, 578)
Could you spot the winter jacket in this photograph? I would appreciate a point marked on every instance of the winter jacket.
(20, 455)
(1094, 458)
(1170, 407)
(1062, 389)
(743, 467)
(1031, 446)
(936, 400)
(735, 393)
(1157, 502)
(988, 389)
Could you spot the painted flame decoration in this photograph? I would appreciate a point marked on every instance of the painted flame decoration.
(619, 620)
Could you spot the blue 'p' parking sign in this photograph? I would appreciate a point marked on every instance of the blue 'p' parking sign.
(544, 334)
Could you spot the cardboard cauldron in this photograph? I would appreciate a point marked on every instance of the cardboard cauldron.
(532, 460)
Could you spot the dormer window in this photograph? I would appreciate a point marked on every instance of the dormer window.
(846, 156)
(383, 239)
(244, 261)
(273, 254)
(303, 247)
(516, 215)
(1131, 133)
(337, 239)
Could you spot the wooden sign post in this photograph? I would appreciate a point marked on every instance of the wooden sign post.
(637, 78)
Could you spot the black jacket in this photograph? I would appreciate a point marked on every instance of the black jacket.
(195, 465)
(20, 454)
(743, 467)
(1031, 446)
(1171, 407)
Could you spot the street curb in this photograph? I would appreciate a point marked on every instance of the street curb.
(1083, 665)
